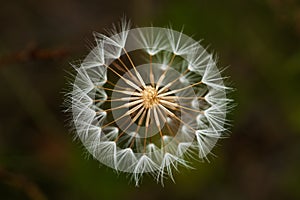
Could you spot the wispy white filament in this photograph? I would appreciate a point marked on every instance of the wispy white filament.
(150, 117)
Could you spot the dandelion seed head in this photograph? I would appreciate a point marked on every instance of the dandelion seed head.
(145, 99)
(149, 97)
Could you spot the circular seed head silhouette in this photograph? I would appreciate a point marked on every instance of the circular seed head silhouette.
(145, 100)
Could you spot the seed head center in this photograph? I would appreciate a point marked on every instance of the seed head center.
(149, 96)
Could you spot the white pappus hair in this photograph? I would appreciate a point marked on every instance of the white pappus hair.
(145, 100)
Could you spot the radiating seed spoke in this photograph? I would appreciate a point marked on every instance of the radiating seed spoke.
(120, 99)
(126, 105)
(147, 126)
(180, 97)
(178, 90)
(176, 106)
(138, 126)
(129, 72)
(161, 78)
(136, 72)
(172, 82)
(151, 72)
(174, 116)
(119, 67)
(156, 119)
(132, 110)
(127, 81)
(166, 110)
(132, 121)
(122, 91)
(166, 122)
(169, 103)
(133, 78)
(164, 73)
(118, 86)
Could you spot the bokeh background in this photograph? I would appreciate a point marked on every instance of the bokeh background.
(258, 40)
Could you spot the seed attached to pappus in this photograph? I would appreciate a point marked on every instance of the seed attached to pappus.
(146, 100)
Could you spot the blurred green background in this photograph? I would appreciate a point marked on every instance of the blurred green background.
(260, 42)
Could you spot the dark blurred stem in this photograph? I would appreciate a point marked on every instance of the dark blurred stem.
(32, 53)
(22, 183)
